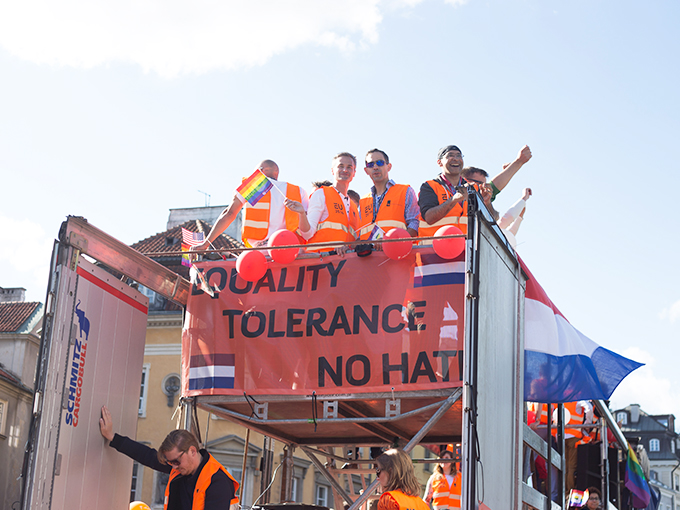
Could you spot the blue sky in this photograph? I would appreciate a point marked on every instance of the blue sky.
(120, 111)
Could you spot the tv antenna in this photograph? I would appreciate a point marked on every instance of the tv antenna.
(207, 197)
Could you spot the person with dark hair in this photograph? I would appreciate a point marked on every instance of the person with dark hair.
(477, 178)
(197, 481)
(389, 205)
(442, 200)
(443, 489)
(594, 498)
(397, 478)
(354, 197)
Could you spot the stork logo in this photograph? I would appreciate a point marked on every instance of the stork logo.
(77, 367)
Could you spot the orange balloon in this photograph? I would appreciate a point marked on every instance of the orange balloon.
(397, 251)
(283, 237)
(448, 248)
(251, 265)
(139, 505)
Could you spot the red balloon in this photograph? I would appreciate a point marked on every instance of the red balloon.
(448, 248)
(283, 237)
(397, 251)
(251, 265)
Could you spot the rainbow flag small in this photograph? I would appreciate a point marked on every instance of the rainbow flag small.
(255, 187)
(578, 498)
(636, 483)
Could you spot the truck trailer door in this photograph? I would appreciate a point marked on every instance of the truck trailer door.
(91, 354)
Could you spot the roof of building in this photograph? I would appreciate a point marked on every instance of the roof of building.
(170, 241)
(647, 427)
(16, 315)
(13, 380)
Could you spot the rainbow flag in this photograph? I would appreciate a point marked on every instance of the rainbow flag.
(636, 482)
(578, 498)
(255, 187)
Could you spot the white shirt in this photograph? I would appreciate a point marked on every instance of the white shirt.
(318, 212)
(277, 209)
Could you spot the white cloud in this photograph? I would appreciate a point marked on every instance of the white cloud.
(172, 37)
(672, 313)
(656, 395)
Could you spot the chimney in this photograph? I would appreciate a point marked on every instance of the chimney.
(12, 294)
(634, 413)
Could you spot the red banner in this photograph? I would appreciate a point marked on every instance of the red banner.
(330, 325)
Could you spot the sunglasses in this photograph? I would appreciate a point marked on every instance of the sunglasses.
(377, 472)
(175, 462)
(374, 163)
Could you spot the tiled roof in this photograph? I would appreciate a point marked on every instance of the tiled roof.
(170, 241)
(13, 315)
(9, 377)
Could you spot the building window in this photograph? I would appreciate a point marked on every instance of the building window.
(673, 446)
(427, 467)
(654, 445)
(295, 489)
(677, 483)
(136, 487)
(622, 418)
(3, 414)
(161, 480)
(144, 390)
(654, 475)
(321, 495)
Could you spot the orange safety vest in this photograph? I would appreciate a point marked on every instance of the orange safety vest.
(337, 227)
(574, 418)
(204, 478)
(391, 212)
(457, 216)
(407, 502)
(443, 496)
(256, 221)
(571, 417)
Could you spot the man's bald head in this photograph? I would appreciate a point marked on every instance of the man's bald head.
(270, 169)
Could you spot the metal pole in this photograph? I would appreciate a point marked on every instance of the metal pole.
(604, 467)
(548, 460)
(446, 405)
(287, 475)
(331, 479)
(243, 468)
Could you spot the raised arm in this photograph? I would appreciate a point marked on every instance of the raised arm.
(223, 221)
(509, 170)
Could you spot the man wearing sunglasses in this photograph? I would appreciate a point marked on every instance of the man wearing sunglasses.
(197, 481)
(389, 205)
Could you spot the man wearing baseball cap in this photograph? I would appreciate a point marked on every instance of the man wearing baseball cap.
(441, 202)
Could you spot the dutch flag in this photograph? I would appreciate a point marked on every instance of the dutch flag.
(560, 363)
(431, 269)
(211, 371)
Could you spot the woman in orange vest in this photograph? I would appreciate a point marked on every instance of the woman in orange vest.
(400, 486)
(446, 484)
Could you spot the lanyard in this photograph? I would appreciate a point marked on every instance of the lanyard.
(377, 202)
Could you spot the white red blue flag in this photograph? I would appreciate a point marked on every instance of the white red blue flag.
(560, 363)
(430, 269)
(211, 370)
